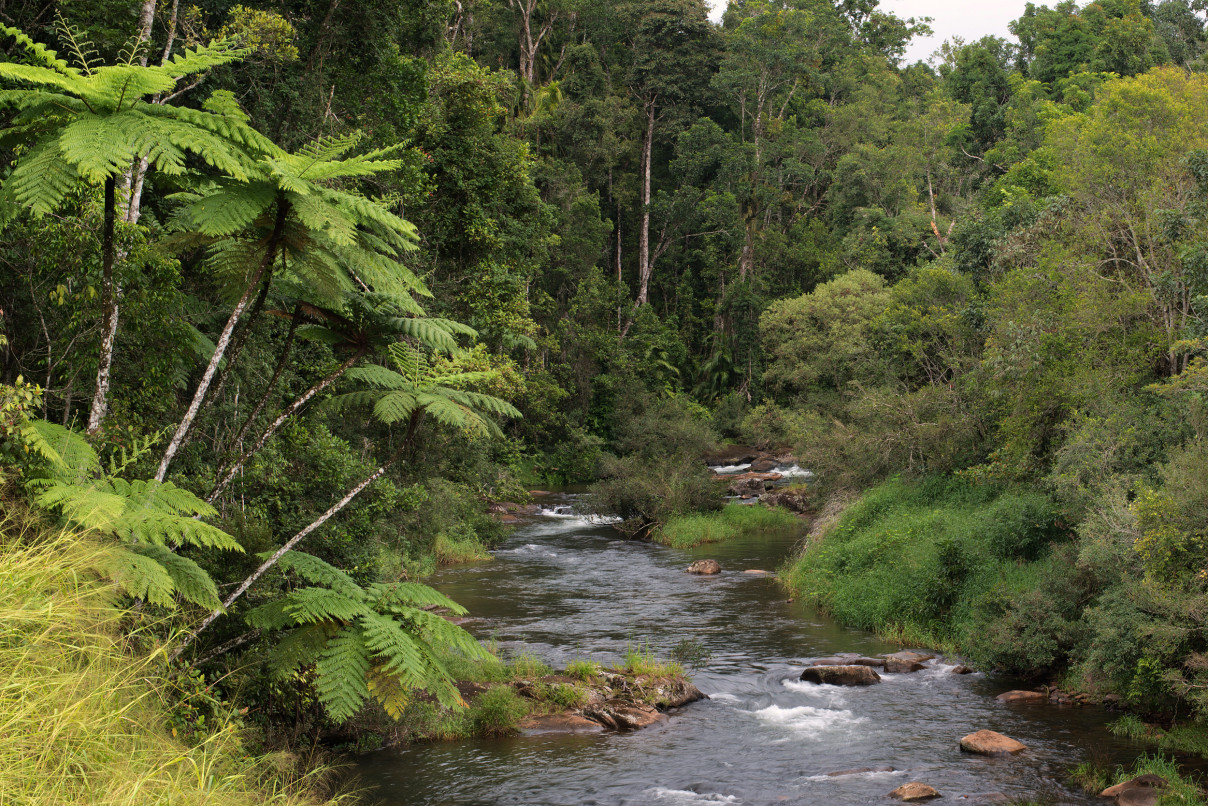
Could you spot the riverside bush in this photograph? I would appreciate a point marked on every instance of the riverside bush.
(926, 557)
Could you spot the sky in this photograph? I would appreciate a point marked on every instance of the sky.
(968, 20)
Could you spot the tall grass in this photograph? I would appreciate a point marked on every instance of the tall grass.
(735, 520)
(82, 720)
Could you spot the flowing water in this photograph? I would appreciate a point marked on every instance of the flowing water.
(563, 588)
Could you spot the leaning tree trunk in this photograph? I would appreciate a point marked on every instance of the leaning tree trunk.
(224, 339)
(109, 312)
(302, 535)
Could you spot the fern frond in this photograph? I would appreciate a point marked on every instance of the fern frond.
(42, 179)
(387, 690)
(312, 605)
(342, 668)
(39, 53)
(190, 582)
(141, 577)
(66, 453)
(316, 571)
(297, 648)
(412, 595)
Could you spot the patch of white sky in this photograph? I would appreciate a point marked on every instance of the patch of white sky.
(950, 18)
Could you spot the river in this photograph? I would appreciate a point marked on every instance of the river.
(563, 588)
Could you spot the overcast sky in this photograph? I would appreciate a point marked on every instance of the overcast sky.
(968, 20)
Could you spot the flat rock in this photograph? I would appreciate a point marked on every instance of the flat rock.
(850, 675)
(754, 571)
(989, 743)
(1021, 696)
(858, 771)
(848, 660)
(913, 792)
(559, 723)
(961, 669)
(622, 715)
(909, 656)
(705, 567)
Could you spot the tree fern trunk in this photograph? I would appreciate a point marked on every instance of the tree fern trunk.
(109, 312)
(224, 339)
(302, 535)
(286, 413)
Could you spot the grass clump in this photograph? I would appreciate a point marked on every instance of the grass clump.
(733, 521)
(1185, 738)
(584, 670)
(641, 660)
(562, 696)
(452, 549)
(496, 712)
(85, 720)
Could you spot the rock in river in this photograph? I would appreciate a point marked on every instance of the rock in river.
(841, 675)
(624, 715)
(705, 567)
(914, 792)
(989, 743)
(1140, 791)
(1021, 696)
(558, 723)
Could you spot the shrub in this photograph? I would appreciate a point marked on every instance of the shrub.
(497, 712)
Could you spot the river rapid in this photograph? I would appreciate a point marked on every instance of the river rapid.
(564, 588)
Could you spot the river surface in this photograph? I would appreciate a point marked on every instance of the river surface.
(563, 589)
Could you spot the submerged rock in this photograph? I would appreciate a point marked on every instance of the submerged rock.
(559, 723)
(1021, 696)
(905, 662)
(961, 669)
(913, 792)
(989, 743)
(859, 771)
(705, 567)
(849, 660)
(851, 675)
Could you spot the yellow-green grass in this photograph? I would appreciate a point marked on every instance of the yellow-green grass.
(82, 716)
(728, 523)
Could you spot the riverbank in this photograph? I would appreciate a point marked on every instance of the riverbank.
(997, 575)
(729, 523)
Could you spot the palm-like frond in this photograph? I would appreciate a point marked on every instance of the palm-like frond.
(365, 642)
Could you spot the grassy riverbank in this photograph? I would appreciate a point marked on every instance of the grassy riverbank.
(87, 718)
(733, 521)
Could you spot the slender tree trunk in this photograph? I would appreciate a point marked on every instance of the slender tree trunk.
(302, 535)
(109, 311)
(286, 351)
(288, 412)
(644, 235)
(224, 339)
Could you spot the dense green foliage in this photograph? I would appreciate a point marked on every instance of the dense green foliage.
(339, 276)
(735, 520)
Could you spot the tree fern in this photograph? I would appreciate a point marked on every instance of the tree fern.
(364, 642)
(149, 519)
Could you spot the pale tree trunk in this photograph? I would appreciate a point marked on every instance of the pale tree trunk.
(109, 311)
(644, 236)
(224, 339)
(229, 474)
(332, 511)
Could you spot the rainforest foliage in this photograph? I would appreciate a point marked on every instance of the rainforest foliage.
(291, 292)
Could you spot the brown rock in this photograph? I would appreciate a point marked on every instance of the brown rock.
(623, 715)
(848, 660)
(731, 455)
(763, 465)
(754, 571)
(989, 743)
(910, 656)
(898, 666)
(851, 675)
(558, 723)
(1148, 783)
(914, 791)
(1021, 696)
(705, 567)
(961, 669)
(672, 692)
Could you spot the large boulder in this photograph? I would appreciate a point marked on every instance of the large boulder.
(989, 743)
(1021, 696)
(731, 455)
(914, 792)
(851, 675)
(670, 692)
(705, 567)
